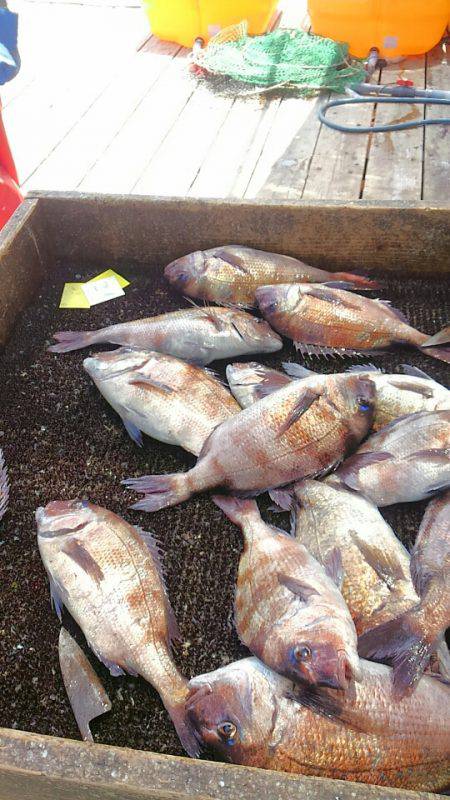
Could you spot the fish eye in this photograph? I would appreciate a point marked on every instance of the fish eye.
(271, 307)
(363, 404)
(227, 731)
(182, 277)
(302, 652)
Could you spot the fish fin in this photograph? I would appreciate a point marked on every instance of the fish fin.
(435, 455)
(296, 587)
(149, 383)
(362, 368)
(296, 371)
(400, 642)
(233, 260)
(133, 431)
(75, 550)
(85, 691)
(237, 509)
(443, 658)
(350, 468)
(56, 598)
(186, 732)
(393, 312)
(328, 703)
(415, 372)
(72, 340)
(160, 491)
(345, 285)
(443, 337)
(282, 497)
(359, 282)
(332, 564)
(113, 668)
(304, 401)
(157, 557)
(4, 486)
(322, 350)
(425, 391)
(441, 353)
(387, 569)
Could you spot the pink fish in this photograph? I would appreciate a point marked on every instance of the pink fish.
(288, 608)
(409, 640)
(292, 434)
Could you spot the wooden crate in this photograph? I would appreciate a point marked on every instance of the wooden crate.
(107, 229)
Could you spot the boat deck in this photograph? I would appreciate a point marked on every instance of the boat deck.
(99, 107)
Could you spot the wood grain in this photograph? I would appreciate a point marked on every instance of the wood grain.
(436, 167)
(47, 767)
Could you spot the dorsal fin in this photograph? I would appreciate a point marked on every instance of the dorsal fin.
(393, 312)
(156, 555)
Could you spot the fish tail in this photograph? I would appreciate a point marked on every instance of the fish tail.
(359, 281)
(402, 643)
(237, 509)
(441, 353)
(72, 340)
(443, 337)
(160, 491)
(184, 729)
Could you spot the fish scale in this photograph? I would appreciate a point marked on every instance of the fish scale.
(362, 735)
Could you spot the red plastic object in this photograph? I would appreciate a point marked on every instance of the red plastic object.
(404, 82)
(10, 194)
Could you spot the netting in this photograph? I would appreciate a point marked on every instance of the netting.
(284, 57)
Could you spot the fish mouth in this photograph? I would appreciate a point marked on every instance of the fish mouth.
(181, 270)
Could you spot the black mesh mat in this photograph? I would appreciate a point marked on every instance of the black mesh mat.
(62, 440)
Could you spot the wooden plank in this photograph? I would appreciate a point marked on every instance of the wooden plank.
(283, 166)
(44, 114)
(121, 165)
(176, 163)
(47, 767)
(337, 166)
(75, 155)
(102, 229)
(244, 173)
(394, 167)
(436, 173)
(231, 151)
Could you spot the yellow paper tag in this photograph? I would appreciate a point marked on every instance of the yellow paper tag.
(74, 297)
(109, 273)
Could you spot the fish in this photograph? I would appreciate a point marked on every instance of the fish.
(250, 381)
(4, 486)
(85, 691)
(406, 461)
(108, 575)
(292, 434)
(231, 274)
(288, 608)
(325, 321)
(377, 584)
(409, 640)
(396, 394)
(199, 335)
(247, 714)
(166, 398)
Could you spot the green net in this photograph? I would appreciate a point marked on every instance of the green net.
(281, 58)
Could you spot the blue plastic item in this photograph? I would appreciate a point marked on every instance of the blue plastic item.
(9, 54)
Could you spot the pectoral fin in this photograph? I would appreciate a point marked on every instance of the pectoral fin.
(296, 587)
(133, 431)
(304, 401)
(139, 379)
(333, 566)
(233, 260)
(388, 568)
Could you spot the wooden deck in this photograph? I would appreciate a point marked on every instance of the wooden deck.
(99, 107)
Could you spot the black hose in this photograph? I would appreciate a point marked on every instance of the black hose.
(398, 126)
